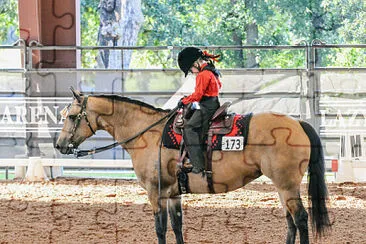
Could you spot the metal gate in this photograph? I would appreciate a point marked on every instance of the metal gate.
(332, 99)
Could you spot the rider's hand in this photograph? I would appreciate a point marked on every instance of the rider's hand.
(180, 103)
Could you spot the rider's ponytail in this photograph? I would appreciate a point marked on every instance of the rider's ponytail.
(210, 57)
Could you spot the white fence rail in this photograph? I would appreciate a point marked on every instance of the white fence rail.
(36, 168)
(69, 162)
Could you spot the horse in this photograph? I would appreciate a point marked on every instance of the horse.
(278, 146)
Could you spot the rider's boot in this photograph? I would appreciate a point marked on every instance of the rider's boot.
(198, 163)
(197, 170)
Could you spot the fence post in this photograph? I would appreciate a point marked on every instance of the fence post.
(19, 172)
(314, 86)
(35, 171)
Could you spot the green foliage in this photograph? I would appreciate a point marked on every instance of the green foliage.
(347, 57)
(278, 22)
(8, 20)
(89, 31)
(282, 59)
(170, 22)
(226, 22)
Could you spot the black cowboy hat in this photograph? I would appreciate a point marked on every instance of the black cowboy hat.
(187, 57)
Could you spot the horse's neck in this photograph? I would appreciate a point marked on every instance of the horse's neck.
(126, 120)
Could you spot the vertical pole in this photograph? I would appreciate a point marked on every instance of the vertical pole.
(51, 23)
(303, 95)
(78, 35)
(6, 172)
(19, 172)
(122, 91)
(314, 86)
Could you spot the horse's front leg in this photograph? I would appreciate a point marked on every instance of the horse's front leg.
(160, 214)
(161, 225)
(176, 217)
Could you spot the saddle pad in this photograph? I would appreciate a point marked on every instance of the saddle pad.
(172, 140)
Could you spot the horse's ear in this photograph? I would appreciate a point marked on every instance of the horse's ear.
(75, 94)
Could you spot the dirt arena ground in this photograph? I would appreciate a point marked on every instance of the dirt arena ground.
(117, 211)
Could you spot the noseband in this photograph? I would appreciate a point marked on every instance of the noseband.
(82, 114)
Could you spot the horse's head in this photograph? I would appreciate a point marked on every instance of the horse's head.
(79, 124)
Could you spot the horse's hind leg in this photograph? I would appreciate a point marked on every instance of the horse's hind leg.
(176, 216)
(296, 212)
(291, 232)
(301, 222)
(291, 227)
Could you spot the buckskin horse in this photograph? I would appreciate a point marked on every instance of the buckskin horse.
(278, 147)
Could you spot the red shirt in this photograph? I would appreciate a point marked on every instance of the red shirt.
(206, 85)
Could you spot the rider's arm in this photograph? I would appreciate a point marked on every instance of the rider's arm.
(202, 82)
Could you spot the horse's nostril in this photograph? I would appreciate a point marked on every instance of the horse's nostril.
(57, 146)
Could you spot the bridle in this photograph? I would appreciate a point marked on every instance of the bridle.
(82, 114)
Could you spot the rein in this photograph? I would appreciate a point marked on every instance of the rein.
(82, 153)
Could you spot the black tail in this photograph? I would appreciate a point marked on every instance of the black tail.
(317, 190)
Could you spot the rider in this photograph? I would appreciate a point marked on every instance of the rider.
(206, 92)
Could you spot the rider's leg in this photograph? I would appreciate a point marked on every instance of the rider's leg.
(195, 130)
(192, 139)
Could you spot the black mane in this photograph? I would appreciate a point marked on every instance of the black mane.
(129, 100)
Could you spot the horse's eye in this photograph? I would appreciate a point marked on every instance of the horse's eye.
(72, 117)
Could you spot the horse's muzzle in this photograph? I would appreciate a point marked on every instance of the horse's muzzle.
(65, 150)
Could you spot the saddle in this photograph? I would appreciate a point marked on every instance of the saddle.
(227, 132)
(221, 123)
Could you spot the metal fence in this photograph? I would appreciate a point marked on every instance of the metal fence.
(330, 98)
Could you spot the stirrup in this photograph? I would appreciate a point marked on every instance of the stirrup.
(187, 165)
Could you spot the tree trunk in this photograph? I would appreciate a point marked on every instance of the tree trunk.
(317, 25)
(239, 55)
(238, 40)
(120, 22)
(252, 37)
